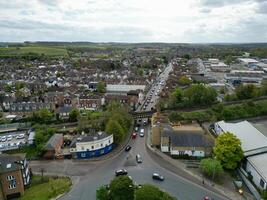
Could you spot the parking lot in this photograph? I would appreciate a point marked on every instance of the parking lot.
(12, 140)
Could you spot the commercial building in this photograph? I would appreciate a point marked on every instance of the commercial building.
(53, 147)
(245, 76)
(254, 145)
(216, 65)
(93, 145)
(14, 175)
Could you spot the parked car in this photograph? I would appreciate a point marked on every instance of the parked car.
(121, 172)
(141, 134)
(158, 177)
(3, 139)
(128, 148)
(136, 128)
(138, 158)
(20, 136)
(9, 137)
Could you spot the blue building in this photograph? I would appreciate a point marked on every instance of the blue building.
(93, 145)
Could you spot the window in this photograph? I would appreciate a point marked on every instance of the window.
(9, 178)
(181, 152)
(83, 155)
(82, 148)
(101, 145)
(262, 183)
(102, 151)
(109, 141)
(12, 186)
(92, 147)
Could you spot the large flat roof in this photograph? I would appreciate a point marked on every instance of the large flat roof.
(248, 60)
(124, 88)
(259, 162)
(252, 140)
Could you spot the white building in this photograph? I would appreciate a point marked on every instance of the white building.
(93, 145)
(254, 145)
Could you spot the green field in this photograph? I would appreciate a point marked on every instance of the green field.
(45, 188)
(46, 50)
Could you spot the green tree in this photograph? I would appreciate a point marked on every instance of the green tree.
(43, 116)
(184, 80)
(122, 188)
(102, 193)
(101, 88)
(211, 167)
(228, 150)
(150, 192)
(246, 91)
(264, 88)
(199, 94)
(74, 114)
(113, 127)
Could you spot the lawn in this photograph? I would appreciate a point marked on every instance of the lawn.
(45, 188)
(46, 50)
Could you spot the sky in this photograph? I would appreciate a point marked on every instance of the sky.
(181, 21)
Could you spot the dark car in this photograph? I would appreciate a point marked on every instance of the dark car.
(158, 177)
(128, 148)
(121, 172)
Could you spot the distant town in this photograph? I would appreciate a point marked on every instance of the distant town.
(114, 121)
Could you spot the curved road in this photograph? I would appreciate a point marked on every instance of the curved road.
(85, 188)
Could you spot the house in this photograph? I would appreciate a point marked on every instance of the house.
(254, 145)
(14, 175)
(185, 140)
(93, 145)
(123, 89)
(87, 102)
(53, 147)
(26, 108)
(92, 86)
(64, 112)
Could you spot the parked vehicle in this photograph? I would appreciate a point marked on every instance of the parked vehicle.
(138, 158)
(20, 136)
(121, 172)
(141, 134)
(128, 148)
(9, 137)
(158, 177)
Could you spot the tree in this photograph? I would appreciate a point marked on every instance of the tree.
(184, 80)
(113, 127)
(101, 88)
(73, 116)
(102, 193)
(211, 167)
(122, 188)
(246, 91)
(264, 87)
(150, 192)
(228, 150)
(43, 116)
(199, 94)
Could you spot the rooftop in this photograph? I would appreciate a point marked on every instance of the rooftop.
(124, 88)
(259, 162)
(252, 140)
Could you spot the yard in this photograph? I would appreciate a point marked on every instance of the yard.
(45, 188)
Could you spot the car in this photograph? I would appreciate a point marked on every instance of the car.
(2, 146)
(121, 172)
(139, 158)
(9, 137)
(206, 198)
(141, 134)
(3, 139)
(134, 135)
(157, 176)
(128, 148)
(20, 136)
(136, 128)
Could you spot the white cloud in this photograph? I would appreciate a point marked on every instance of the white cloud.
(134, 20)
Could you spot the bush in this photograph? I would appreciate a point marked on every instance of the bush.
(211, 167)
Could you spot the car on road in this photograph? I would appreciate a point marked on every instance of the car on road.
(121, 172)
(142, 132)
(134, 135)
(139, 158)
(128, 148)
(157, 176)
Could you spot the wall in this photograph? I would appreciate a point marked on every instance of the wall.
(199, 152)
(98, 144)
(256, 176)
(94, 153)
(19, 183)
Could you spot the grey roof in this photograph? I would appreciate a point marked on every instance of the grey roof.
(53, 141)
(89, 138)
(259, 162)
(65, 109)
(10, 163)
(124, 88)
(252, 140)
(187, 138)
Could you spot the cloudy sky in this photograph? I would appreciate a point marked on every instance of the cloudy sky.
(193, 21)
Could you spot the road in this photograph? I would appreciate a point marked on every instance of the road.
(88, 175)
(103, 173)
(152, 97)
